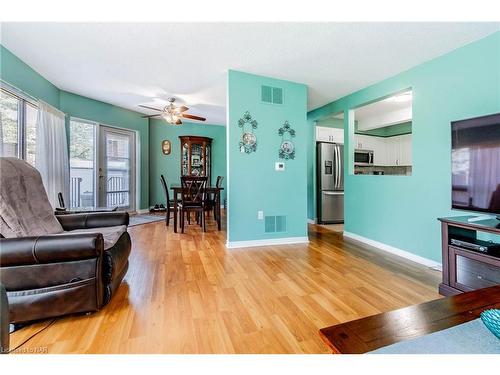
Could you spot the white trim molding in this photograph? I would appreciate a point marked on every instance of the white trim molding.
(394, 250)
(312, 221)
(271, 241)
(143, 211)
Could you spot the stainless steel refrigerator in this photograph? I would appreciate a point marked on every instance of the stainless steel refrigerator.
(330, 185)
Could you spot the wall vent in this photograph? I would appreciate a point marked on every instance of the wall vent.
(275, 224)
(273, 95)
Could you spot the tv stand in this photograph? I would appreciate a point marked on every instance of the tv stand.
(463, 269)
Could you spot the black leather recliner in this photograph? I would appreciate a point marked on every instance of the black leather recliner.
(74, 268)
(73, 272)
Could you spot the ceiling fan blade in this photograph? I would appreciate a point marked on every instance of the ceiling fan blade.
(193, 117)
(178, 122)
(150, 116)
(145, 106)
(183, 108)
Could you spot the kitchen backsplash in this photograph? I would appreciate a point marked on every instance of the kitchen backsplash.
(386, 170)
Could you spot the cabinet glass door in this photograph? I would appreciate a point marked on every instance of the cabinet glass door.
(197, 159)
(185, 159)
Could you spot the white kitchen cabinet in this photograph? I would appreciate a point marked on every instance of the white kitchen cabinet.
(405, 149)
(392, 151)
(389, 151)
(399, 151)
(379, 151)
(363, 142)
(324, 134)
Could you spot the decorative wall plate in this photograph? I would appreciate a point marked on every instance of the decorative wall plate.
(166, 147)
(248, 142)
(249, 139)
(287, 148)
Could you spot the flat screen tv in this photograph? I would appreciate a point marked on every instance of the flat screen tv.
(475, 158)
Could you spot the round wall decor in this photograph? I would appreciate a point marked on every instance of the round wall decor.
(248, 142)
(287, 148)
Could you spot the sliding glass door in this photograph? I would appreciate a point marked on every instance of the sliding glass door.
(102, 162)
(83, 163)
(116, 168)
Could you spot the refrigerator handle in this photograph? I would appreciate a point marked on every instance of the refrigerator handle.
(340, 167)
(336, 169)
(337, 165)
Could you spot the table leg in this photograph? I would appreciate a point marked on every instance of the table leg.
(175, 211)
(217, 202)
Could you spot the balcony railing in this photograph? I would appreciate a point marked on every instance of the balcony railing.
(117, 194)
(74, 192)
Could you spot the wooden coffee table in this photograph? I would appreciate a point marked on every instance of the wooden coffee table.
(373, 332)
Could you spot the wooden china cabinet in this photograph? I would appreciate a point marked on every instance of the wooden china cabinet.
(196, 154)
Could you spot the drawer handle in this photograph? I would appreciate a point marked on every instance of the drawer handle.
(479, 277)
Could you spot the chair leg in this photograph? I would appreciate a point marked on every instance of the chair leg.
(182, 221)
(167, 218)
(203, 219)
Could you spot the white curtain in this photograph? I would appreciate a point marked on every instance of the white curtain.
(52, 152)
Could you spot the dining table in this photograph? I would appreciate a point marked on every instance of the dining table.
(177, 190)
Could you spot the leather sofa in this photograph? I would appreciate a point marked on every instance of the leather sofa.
(55, 265)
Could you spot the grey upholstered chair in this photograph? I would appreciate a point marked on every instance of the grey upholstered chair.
(55, 265)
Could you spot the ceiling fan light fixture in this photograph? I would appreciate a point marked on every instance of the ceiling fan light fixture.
(171, 118)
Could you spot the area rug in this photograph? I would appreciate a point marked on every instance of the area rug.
(144, 219)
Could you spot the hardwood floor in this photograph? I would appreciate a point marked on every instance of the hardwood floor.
(186, 293)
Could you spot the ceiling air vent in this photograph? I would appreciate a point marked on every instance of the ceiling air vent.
(273, 95)
(275, 224)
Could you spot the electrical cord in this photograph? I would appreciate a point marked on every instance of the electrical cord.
(33, 335)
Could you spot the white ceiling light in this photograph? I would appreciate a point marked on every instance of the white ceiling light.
(404, 97)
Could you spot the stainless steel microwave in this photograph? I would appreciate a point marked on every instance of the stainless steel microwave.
(363, 157)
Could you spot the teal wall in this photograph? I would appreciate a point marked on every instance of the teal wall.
(169, 165)
(331, 123)
(401, 211)
(253, 183)
(16, 73)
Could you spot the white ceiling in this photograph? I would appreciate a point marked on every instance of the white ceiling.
(127, 64)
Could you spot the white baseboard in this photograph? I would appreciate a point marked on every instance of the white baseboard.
(271, 241)
(394, 250)
(312, 221)
(143, 211)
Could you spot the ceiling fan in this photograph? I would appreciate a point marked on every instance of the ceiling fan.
(172, 114)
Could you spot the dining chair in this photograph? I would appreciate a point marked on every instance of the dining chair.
(193, 198)
(169, 206)
(211, 201)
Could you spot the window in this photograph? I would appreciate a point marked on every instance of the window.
(82, 161)
(18, 117)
